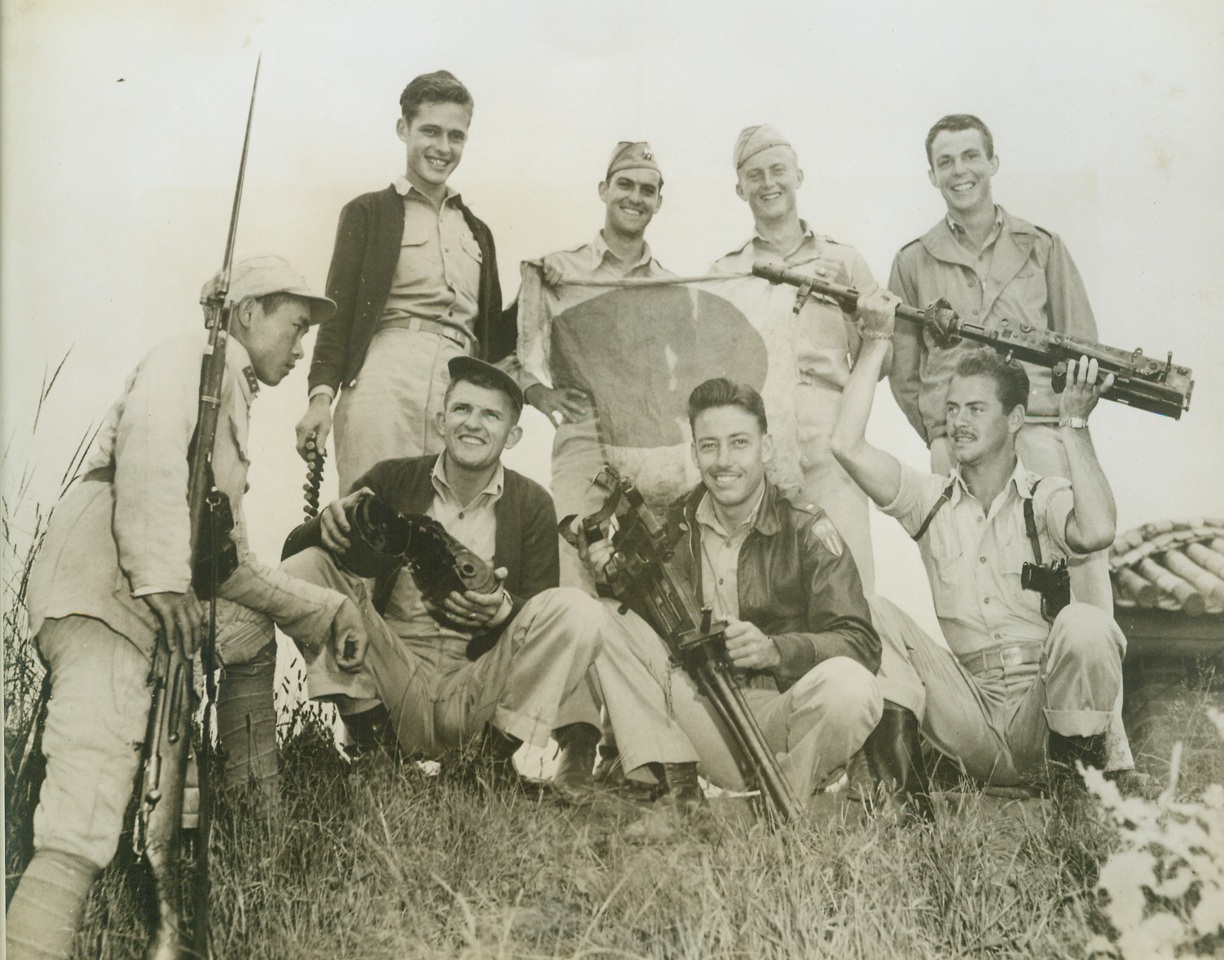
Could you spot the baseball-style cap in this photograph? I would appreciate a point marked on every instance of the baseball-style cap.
(464, 368)
(752, 140)
(632, 155)
(266, 273)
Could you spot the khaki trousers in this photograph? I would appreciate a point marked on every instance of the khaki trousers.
(996, 723)
(659, 716)
(390, 410)
(95, 728)
(534, 680)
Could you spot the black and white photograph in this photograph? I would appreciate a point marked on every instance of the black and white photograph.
(655, 480)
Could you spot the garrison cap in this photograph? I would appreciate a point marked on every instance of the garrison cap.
(752, 140)
(467, 368)
(632, 155)
(266, 273)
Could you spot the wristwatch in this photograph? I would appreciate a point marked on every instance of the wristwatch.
(1075, 423)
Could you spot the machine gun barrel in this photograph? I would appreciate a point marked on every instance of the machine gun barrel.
(1142, 382)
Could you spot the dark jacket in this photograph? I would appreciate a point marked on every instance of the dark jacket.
(525, 542)
(792, 586)
(368, 242)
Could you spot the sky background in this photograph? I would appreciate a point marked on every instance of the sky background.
(122, 126)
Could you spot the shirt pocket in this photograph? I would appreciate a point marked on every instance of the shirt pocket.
(419, 240)
(471, 248)
(952, 585)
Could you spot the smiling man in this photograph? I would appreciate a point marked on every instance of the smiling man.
(818, 344)
(991, 266)
(799, 632)
(632, 193)
(417, 683)
(414, 277)
(116, 568)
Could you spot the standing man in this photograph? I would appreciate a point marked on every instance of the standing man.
(532, 644)
(115, 570)
(799, 630)
(414, 277)
(813, 351)
(632, 192)
(991, 266)
(1024, 679)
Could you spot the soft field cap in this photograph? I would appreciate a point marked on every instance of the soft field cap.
(267, 273)
(632, 155)
(752, 140)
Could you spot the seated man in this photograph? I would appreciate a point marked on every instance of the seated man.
(1021, 681)
(800, 635)
(416, 680)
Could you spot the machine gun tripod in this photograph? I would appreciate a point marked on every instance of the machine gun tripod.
(642, 577)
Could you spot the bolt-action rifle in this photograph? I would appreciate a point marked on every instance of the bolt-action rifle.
(641, 576)
(1139, 381)
(157, 831)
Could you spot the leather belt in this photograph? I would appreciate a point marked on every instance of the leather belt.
(453, 334)
(998, 658)
(101, 474)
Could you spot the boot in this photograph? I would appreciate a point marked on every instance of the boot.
(368, 731)
(573, 780)
(681, 791)
(1063, 752)
(890, 769)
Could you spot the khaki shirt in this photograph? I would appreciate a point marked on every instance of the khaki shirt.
(973, 553)
(824, 344)
(720, 552)
(437, 275)
(590, 261)
(1023, 274)
(111, 543)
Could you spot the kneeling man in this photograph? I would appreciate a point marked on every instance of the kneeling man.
(1027, 676)
(415, 679)
(800, 635)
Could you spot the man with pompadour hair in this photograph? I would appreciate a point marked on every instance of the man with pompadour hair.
(414, 277)
(1030, 680)
(799, 636)
(992, 267)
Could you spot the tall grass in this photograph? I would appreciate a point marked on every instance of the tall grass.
(23, 525)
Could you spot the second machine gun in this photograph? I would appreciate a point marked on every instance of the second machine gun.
(1139, 381)
(641, 576)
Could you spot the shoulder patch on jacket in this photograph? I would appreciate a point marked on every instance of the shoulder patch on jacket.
(823, 527)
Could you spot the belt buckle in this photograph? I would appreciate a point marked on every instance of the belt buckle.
(1011, 656)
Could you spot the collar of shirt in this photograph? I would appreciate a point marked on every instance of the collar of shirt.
(405, 188)
(1020, 478)
(760, 243)
(959, 231)
(443, 489)
(600, 250)
(706, 516)
(239, 362)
